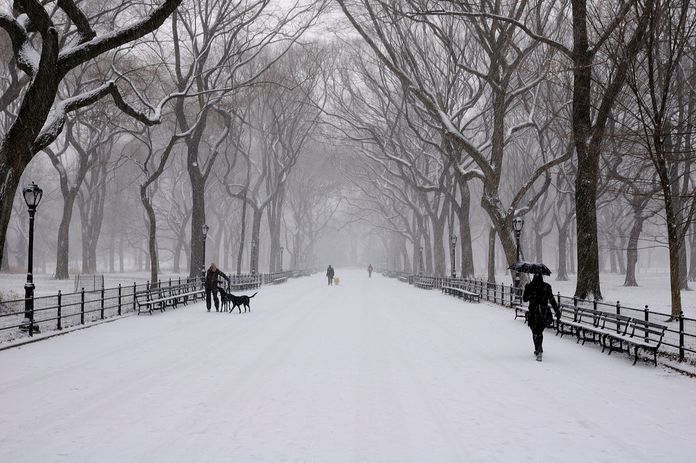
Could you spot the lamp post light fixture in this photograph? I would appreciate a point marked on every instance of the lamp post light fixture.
(420, 260)
(281, 258)
(517, 224)
(32, 196)
(453, 246)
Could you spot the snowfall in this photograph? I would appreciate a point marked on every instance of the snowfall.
(369, 370)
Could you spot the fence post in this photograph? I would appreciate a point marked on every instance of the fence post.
(134, 288)
(102, 303)
(59, 325)
(82, 306)
(594, 304)
(558, 297)
(575, 302)
(647, 319)
(681, 336)
(119, 299)
(512, 302)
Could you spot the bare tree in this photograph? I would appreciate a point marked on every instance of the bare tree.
(46, 48)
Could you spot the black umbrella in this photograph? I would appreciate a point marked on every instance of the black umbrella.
(530, 267)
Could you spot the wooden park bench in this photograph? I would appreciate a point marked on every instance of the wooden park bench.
(638, 334)
(243, 282)
(521, 311)
(163, 297)
(611, 330)
(461, 292)
(424, 282)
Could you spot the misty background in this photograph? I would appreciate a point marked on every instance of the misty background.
(355, 132)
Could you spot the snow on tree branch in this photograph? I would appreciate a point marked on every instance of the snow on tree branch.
(74, 56)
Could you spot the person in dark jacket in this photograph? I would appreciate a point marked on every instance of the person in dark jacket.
(212, 285)
(539, 295)
(330, 274)
(369, 270)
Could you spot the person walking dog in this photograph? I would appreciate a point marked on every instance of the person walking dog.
(212, 276)
(539, 295)
(330, 274)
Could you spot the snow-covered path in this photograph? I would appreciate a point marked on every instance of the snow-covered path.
(371, 370)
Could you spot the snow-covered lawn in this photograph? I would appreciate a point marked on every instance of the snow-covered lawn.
(371, 370)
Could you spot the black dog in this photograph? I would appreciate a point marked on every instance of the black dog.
(237, 301)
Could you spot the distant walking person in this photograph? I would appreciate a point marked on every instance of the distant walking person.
(211, 285)
(330, 274)
(369, 270)
(539, 295)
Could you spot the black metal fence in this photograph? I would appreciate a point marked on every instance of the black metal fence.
(680, 334)
(65, 310)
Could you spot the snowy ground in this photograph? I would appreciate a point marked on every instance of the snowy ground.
(371, 370)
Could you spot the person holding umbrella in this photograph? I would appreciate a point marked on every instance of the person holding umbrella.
(539, 295)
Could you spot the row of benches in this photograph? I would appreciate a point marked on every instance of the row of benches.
(612, 331)
(161, 298)
(452, 289)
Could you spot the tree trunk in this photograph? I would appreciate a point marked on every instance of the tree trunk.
(491, 255)
(11, 168)
(683, 268)
(63, 242)
(112, 252)
(405, 260)
(439, 254)
(255, 238)
(152, 236)
(467, 253)
(196, 262)
(562, 253)
(632, 251)
(121, 263)
(587, 159)
(538, 246)
(242, 235)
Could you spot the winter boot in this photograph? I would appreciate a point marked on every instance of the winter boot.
(538, 356)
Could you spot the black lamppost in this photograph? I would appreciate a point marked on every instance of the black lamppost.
(32, 196)
(204, 230)
(453, 245)
(281, 258)
(517, 224)
(253, 257)
(420, 260)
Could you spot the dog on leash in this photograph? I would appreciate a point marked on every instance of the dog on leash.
(336, 281)
(236, 301)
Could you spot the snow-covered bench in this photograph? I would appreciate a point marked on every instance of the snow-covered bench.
(461, 292)
(639, 334)
(242, 282)
(161, 298)
(424, 282)
(521, 311)
(612, 330)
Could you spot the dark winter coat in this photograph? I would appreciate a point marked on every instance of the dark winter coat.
(330, 272)
(539, 295)
(211, 278)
